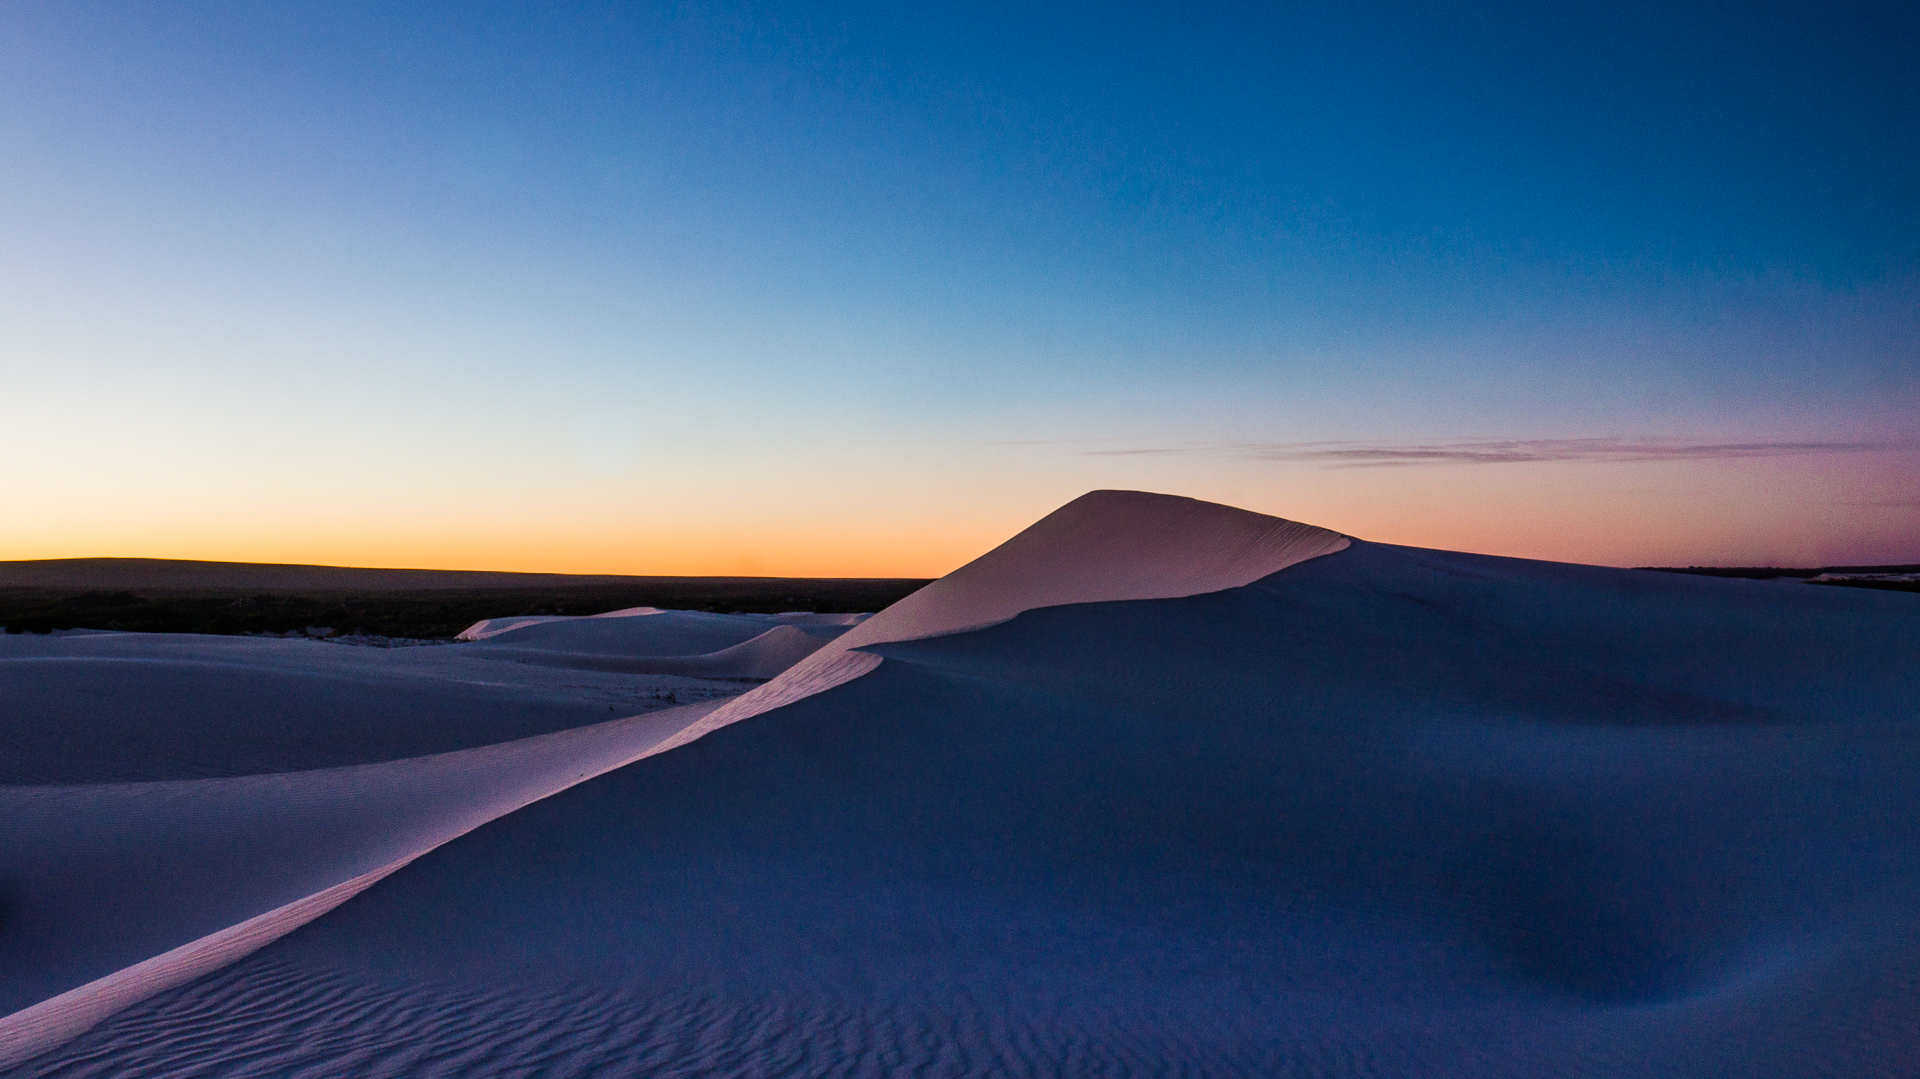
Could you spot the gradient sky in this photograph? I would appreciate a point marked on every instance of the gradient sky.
(863, 290)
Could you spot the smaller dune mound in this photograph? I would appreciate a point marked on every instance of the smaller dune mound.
(644, 631)
(758, 658)
(763, 657)
(494, 627)
(636, 631)
(646, 640)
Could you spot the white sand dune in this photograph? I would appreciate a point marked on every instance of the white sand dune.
(1101, 547)
(1156, 788)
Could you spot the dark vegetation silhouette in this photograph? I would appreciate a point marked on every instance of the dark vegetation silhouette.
(1771, 573)
(424, 614)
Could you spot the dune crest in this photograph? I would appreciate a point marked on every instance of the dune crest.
(1102, 547)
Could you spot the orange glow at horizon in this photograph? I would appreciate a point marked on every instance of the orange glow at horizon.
(1774, 512)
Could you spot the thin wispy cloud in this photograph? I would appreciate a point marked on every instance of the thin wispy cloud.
(1885, 503)
(1498, 451)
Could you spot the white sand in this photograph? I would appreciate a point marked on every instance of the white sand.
(1149, 790)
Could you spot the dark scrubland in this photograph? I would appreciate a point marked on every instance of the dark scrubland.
(157, 596)
(1770, 573)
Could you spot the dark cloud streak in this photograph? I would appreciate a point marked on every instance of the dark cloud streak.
(1500, 451)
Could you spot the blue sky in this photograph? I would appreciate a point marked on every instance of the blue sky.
(816, 288)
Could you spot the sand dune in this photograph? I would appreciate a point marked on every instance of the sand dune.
(1156, 788)
(1102, 547)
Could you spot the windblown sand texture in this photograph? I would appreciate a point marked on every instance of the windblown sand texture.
(1157, 787)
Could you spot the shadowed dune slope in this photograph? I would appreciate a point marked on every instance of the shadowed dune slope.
(1385, 812)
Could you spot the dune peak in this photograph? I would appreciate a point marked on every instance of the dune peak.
(1104, 546)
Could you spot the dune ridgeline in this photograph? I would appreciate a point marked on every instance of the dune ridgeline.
(1157, 787)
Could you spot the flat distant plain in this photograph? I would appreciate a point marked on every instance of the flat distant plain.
(176, 596)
